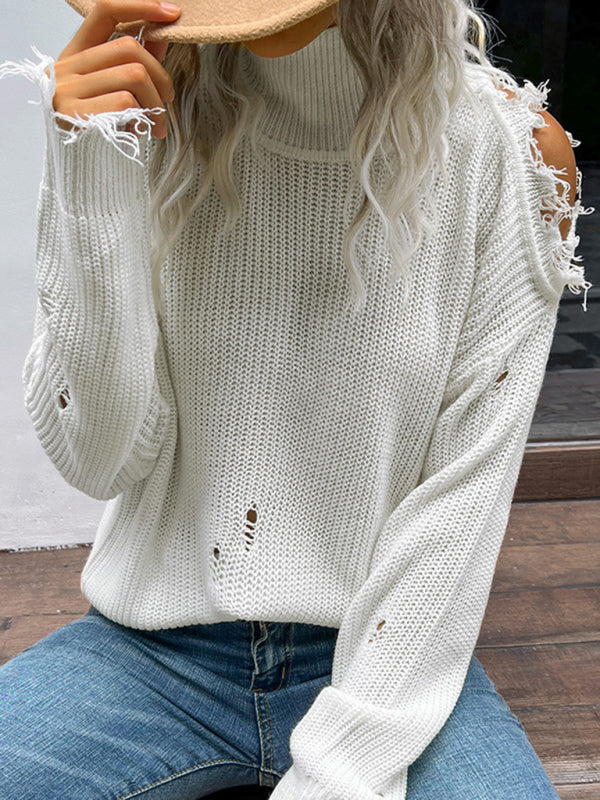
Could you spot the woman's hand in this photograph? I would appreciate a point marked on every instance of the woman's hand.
(94, 75)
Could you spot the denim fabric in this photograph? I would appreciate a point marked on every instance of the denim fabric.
(99, 711)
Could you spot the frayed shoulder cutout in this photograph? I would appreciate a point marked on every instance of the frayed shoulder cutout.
(547, 188)
(111, 124)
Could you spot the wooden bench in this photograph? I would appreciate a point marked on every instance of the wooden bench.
(539, 640)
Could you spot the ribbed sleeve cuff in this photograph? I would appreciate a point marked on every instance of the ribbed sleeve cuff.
(89, 175)
(296, 785)
(339, 752)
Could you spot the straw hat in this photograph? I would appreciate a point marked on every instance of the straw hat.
(225, 21)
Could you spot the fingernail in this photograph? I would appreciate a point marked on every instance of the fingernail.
(170, 7)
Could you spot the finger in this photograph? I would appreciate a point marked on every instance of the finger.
(105, 15)
(118, 52)
(135, 89)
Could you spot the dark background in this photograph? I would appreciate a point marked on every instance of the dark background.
(559, 41)
(555, 40)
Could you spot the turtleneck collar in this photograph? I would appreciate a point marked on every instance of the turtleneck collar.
(312, 96)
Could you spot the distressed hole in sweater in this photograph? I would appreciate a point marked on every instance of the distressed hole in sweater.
(64, 398)
(499, 379)
(251, 517)
(377, 632)
(216, 562)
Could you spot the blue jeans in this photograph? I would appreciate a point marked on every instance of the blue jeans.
(99, 711)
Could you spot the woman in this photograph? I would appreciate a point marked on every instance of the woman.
(307, 419)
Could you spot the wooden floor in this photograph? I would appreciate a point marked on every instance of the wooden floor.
(539, 642)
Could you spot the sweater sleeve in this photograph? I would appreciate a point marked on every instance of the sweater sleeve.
(407, 637)
(90, 378)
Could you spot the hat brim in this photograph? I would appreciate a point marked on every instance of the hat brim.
(228, 21)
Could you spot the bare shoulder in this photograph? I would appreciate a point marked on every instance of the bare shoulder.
(557, 152)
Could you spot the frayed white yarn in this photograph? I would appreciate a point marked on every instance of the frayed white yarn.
(554, 206)
(108, 122)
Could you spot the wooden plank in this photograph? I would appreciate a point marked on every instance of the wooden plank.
(541, 616)
(552, 690)
(19, 633)
(567, 740)
(547, 566)
(556, 470)
(578, 791)
(548, 674)
(42, 580)
(40, 591)
(553, 522)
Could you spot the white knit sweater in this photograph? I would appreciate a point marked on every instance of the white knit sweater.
(266, 456)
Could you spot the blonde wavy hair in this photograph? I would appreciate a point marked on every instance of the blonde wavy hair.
(411, 57)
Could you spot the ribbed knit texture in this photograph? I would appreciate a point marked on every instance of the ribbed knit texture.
(265, 455)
